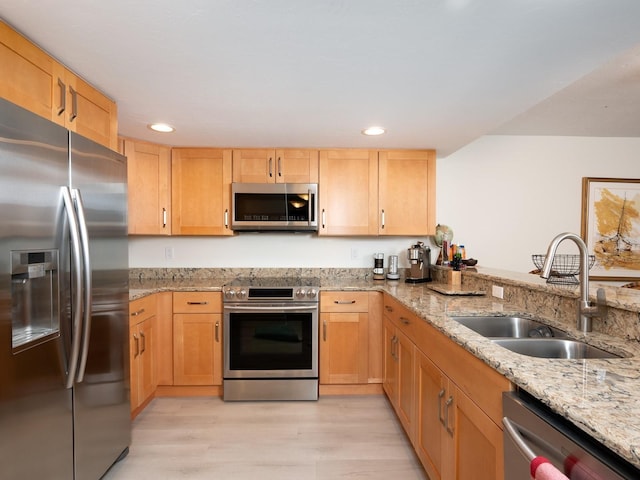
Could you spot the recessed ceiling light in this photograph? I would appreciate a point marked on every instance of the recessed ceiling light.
(161, 127)
(373, 131)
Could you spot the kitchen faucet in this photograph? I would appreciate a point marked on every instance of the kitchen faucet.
(585, 310)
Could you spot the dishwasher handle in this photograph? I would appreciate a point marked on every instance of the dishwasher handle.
(519, 442)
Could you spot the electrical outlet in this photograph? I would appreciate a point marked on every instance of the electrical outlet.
(354, 253)
(497, 291)
(168, 253)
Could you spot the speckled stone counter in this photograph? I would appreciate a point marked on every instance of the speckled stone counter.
(599, 396)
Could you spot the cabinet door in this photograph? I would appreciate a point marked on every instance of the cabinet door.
(134, 366)
(254, 165)
(195, 336)
(348, 191)
(149, 173)
(344, 349)
(406, 400)
(90, 113)
(164, 339)
(390, 375)
(147, 358)
(200, 191)
(477, 454)
(431, 434)
(296, 166)
(407, 192)
(29, 76)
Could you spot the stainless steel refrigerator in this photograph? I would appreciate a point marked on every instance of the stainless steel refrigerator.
(64, 400)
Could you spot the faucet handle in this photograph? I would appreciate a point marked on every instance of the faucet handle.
(601, 303)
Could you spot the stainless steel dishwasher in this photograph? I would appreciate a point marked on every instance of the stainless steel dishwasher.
(532, 429)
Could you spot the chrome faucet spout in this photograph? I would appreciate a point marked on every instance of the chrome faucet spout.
(585, 311)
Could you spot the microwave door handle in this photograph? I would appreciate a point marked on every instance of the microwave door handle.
(76, 280)
(309, 203)
(87, 291)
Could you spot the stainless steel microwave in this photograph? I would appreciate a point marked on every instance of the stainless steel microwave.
(274, 207)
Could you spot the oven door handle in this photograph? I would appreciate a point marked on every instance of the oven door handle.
(261, 308)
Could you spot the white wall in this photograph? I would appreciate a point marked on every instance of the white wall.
(505, 197)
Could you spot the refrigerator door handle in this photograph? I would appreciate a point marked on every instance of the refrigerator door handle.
(76, 279)
(87, 287)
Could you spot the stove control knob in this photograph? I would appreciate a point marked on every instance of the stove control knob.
(300, 293)
(242, 294)
(311, 293)
(229, 293)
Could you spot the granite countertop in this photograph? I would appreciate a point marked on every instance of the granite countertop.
(597, 395)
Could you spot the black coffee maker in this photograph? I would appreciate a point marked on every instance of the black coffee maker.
(419, 258)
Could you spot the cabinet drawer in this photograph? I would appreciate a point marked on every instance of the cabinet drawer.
(344, 301)
(197, 302)
(141, 309)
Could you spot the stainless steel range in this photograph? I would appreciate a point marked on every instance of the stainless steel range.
(271, 339)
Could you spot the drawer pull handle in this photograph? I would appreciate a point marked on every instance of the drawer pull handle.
(440, 417)
(138, 312)
(344, 302)
(197, 303)
(405, 321)
(388, 308)
(137, 342)
(144, 342)
(446, 414)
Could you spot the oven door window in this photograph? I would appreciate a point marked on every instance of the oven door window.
(270, 341)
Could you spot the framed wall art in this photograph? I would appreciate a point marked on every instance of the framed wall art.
(611, 227)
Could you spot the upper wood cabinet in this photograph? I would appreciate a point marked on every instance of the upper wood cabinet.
(149, 188)
(365, 192)
(35, 81)
(275, 166)
(348, 191)
(406, 192)
(201, 191)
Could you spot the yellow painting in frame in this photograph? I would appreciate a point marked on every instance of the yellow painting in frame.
(611, 227)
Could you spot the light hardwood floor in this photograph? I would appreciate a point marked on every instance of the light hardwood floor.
(206, 438)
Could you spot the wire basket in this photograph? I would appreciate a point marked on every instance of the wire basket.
(564, 269)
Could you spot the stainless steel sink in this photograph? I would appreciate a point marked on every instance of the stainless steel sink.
(553, 348)
(508, 326)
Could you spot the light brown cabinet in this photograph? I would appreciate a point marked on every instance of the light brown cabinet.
(164, 338)
(348, 192)
(406, 192)
(344, 337)
(252, 165)
(399, 367)
(40, 84)
(366, 192)
(201, 191)
(197, 338)
(142, 354)
(448, 401)
(149, 187)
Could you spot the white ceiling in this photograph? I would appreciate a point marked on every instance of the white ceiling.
(293, 73)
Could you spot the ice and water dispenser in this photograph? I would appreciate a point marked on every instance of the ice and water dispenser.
(35, 296)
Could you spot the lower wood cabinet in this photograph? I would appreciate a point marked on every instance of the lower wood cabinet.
(350, 338)
(197, 338)
(447, 400)
(142, 354)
